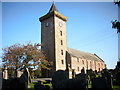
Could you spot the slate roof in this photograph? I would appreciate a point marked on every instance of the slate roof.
(81, 54)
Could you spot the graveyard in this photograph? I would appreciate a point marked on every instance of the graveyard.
(106, 79)
(18, 60)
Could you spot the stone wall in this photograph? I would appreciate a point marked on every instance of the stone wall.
(80, 63)
(60, 43)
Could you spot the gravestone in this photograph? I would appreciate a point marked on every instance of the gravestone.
(19, 73)
(91, 73)
(58, 77)
(25, 77)
(81, 75)
(83, 78)
(73, 73)
(38, 86)
(99, 82)
(15, 84)
(69, 72)
(108, 78)
(5, 74)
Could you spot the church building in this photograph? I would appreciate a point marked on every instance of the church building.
(54, 44)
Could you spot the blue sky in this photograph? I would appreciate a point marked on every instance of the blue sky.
(89, 26)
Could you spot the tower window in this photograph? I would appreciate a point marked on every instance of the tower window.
(78, 69)
(61, 42)
(61, 52)
(62, 61)
(61, 33)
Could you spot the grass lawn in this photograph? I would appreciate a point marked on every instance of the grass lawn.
(116, 87)
(31, 85)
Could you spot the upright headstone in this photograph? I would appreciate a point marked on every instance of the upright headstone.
(15, 84)
(73, 73)
(25, 77)
(38, 86)
(5, 74)
(82, 77)
(69, 72)
(19, 73)
(99, 83)
(58, 77)
(108, 78)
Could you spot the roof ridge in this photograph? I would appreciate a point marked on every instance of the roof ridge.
(78, 53)
(79, 50)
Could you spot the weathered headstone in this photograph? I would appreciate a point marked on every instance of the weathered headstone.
(69, 73)
(19, 73)
(81, 75)
(108, 78)
(58, 77)
(15, 84)
(38, 86)
(25, 77)
(5, 74)
(83, 78)
(99, 82)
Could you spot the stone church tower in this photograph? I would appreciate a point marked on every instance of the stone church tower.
(54, 45)
(53, 39)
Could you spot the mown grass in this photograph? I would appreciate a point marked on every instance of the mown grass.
(116, 87)
(31, 85)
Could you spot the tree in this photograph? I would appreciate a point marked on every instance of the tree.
(116, 25)
(18, 56)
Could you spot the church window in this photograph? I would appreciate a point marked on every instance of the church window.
(90, 65)
(101, 64)
(77, 59)
(82, 61)
(62, 61)
(61, 52)
(98, 64)
(61, 42)
(78, 69)
(61, 33)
